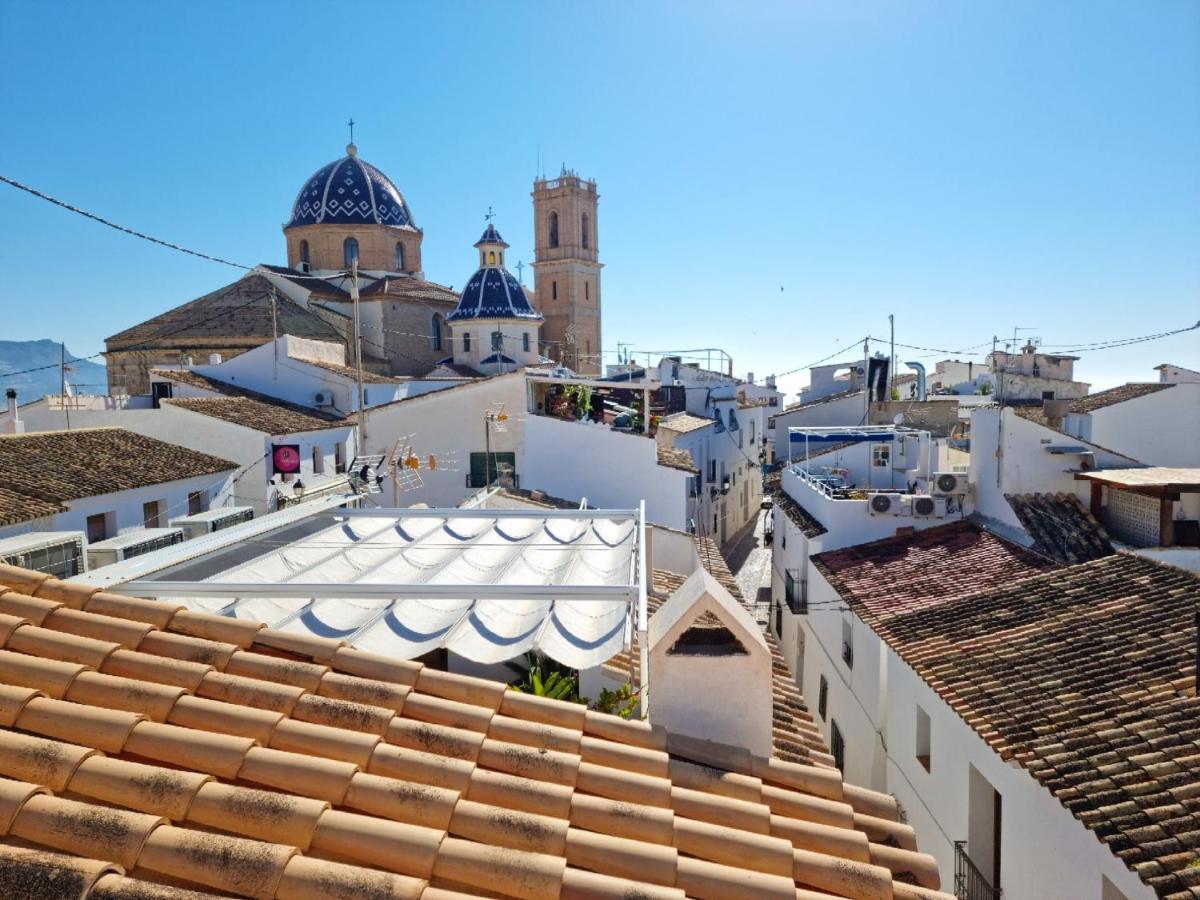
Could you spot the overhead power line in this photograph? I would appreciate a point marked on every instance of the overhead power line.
(103, 221)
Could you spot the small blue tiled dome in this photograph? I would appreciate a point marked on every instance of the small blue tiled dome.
(493, 293)
(350, 191)
(491, 236)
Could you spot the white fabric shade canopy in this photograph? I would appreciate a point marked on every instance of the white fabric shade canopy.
(487, 585)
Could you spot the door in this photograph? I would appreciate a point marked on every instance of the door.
(983, 827)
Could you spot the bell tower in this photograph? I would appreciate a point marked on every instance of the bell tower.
(567, 270)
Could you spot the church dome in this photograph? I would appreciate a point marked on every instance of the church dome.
(493, 293)
(350, 191)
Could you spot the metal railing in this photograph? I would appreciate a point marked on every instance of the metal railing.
(969, 883)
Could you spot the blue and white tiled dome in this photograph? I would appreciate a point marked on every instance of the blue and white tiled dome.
(493, 292)
(350, 191)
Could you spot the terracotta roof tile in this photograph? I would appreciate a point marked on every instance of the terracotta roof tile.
(261, 413)
(1060, 527)
(42, 471)
(799, 516)
(1119, 394)
(442, 783)
(1084, 676)
(683, 422)
(673, 458)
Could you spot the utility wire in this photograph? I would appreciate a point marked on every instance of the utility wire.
(103, 221)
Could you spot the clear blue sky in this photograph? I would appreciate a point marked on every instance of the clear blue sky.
(969, 166)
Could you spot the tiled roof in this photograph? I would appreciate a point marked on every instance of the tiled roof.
(350, 372)
(888, 578)
(1060, 527)
(263, 414)
(223, 757)
(240, 311)
(410, 289)
(40, 471)
(674, 458)
(1120, 394)
(1147, 479)
(799, 516)
(1085, 676)
(683, 422)
(320, 286)
(196, 380)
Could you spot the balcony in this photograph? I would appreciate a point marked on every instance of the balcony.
(969, 883)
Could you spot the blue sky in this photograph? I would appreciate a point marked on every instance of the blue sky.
(776, 178)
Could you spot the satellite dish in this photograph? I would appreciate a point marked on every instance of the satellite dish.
(898, 419)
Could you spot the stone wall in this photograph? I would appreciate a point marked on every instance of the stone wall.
(376, 246)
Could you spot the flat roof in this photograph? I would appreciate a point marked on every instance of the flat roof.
(1154, 479)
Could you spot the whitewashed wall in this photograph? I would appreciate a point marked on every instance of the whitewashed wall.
(612, 469)
(1159, 429)
(842, 411)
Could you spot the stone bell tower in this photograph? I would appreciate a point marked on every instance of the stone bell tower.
(567, 270)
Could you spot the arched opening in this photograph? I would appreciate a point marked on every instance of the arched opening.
(304, 254)
(399, 257)
(491, 257)
(349, 251)
(586, 291)
(466, 342)
(525, 342)
(554, 290)
(553, 229)
(436, 331)
(583, 230)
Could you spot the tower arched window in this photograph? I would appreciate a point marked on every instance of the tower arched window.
(399, 257)
(304, 253)
(553, 229)
(525, 342)
(466, 342)
(491, 257)
(349, 251)
(436, 331)
(583, 230)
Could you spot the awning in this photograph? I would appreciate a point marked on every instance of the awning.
(486, 584)
(840, 437)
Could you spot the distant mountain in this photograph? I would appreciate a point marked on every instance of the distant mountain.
(20, 356)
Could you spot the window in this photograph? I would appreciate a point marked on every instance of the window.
(304, 253)
(491, 257)
(436, 331)
(847, 644)
(497, 341)
(318, 461)
(881, 455)
(712, 471)
(823, 698)
(349, 251)
(837, 746)
(553, 229)
(339, 457)
(583, 230)
(554, 290)
(752, 430)
(923, 738)
(196, 502)
(587, 291)
(466, 342)
(399, 257)
(525, 342)
(1047, 395)
(97, 528)
(152, 513)
(484, 468)
(794, 594)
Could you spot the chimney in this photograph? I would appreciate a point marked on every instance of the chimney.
(1055, 411)
(214, 359)
(189, 361)
(12, 423)
(920, 370)
(750, 378)
(771, 382)
(709, 681)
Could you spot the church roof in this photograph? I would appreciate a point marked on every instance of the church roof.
(239, 312)
(493, 293)
(491, 236)
(350, 191)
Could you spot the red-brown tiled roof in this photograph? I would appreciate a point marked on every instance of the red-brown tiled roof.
(1060, 527)
(227, 758)
(1119, 394)
(890, 577)
(674, 458)
(799, 516)
(682, 423)
(1086, 677)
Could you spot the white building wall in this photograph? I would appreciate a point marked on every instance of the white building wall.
(124, 509)
(611, 469)
(842, 411)
(1159, 429)
(1046, 854)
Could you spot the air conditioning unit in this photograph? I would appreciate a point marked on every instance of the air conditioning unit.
(885, 504)
(323, 398)
(949, 484)
(212, 520)
(58, 553)
(131, 544)
(929, 507)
